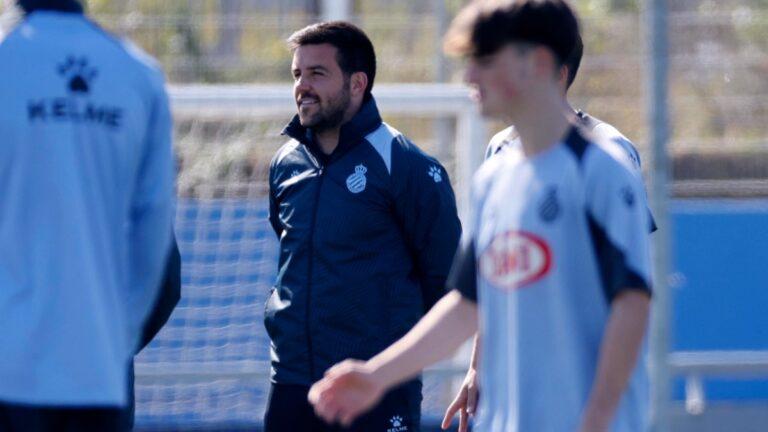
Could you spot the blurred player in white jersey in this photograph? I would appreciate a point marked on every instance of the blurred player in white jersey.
(555, 258)
(605, 135)
(86, 179)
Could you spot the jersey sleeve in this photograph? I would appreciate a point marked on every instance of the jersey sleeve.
(618, 224)
(425, 207)
(463, 276)
(616, 144)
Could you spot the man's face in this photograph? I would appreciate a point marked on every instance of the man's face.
(499, 80)
(320, 88)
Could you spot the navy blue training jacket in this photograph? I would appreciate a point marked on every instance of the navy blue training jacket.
(367, 235)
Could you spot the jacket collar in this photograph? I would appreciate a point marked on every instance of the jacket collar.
(70, 6)
(352, 133)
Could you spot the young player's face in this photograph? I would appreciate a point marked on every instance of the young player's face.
(499, 80)
(320, 88)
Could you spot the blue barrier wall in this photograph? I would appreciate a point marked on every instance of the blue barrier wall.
(721, 252)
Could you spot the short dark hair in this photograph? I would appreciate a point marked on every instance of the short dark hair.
(355, 50)
(29, 6)
(574, 61)
(484, 27)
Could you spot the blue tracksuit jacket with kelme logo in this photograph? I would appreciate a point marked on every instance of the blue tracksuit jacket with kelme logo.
(367, 236)
(86, 187)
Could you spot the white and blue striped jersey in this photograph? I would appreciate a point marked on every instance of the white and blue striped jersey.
(86, 179)
(552, 240)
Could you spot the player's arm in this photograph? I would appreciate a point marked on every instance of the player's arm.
(619, 226)
(167, 299)
(151, 214)
(465, 402)
(619, 351)
(352, 387)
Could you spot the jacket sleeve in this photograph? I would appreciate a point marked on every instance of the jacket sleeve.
(170, 294)
(274, 209)
(426, 210)
(151, 213)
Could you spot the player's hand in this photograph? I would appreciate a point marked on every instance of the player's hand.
(465, 402)
(348, 390)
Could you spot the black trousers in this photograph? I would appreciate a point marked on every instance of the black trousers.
(31, 418)
(289, 411)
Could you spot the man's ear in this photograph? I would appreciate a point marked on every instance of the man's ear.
(358, 82)
(545, 64)
(562, 77)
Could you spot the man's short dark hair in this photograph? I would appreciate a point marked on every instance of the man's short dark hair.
(574, 61)
(355, 50)
(484, 27)
(57, 5)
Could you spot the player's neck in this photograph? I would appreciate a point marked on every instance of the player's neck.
(328, 139)
(571, 112)
(542, 124)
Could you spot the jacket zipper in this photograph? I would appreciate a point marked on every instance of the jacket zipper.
(321, 173)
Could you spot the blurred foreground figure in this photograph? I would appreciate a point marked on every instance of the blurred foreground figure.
(604, 135)
(86, 177)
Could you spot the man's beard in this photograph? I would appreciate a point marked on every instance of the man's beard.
(331, 114)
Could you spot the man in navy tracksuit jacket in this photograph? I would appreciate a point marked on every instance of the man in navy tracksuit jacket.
(367, 225)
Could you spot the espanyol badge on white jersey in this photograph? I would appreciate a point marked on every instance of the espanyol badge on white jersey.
(356, 181)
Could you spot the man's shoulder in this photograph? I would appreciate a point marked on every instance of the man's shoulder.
(590, 155)
(406, 153)
(122, 51)
(612, 141)
(291, 146)
(144, 61)
(607, 163)
(500, 140)
(133, 58)
(490, 171)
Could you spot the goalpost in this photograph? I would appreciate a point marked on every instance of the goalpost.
(657, 46)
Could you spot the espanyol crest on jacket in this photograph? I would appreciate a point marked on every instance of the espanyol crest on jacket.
(356, 181)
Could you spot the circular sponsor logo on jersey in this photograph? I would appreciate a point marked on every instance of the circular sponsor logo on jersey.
(515, 259)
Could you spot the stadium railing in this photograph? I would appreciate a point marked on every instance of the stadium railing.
(694, 366)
